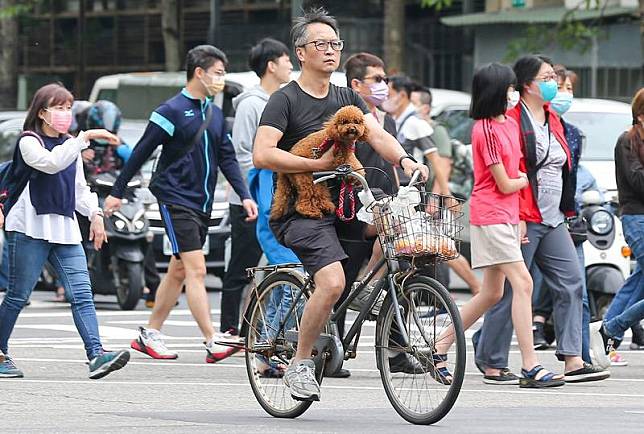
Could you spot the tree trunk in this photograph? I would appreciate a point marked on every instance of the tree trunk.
(170, 29)
(394, 35)
(642, 27)
(8, 58)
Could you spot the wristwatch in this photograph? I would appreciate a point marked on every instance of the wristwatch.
(406, 156)
(97, 212)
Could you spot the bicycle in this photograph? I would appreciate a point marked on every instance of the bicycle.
(415, 311)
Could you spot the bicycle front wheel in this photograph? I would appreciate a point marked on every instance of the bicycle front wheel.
(427, 310)
(268, 351)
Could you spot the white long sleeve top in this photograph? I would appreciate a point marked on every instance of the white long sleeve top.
(53, 228)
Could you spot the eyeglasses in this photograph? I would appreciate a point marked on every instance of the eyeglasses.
(323, 45)
(547, 77)
(377, 78)
(58, 108)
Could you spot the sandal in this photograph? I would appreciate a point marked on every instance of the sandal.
(271, 368)
(442, 374)
(549, 379)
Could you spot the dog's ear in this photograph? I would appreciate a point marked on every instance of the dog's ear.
(331, 128)
(365, 133)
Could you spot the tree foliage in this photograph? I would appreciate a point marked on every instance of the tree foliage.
(569, 33)
(436, 4)
(19, 9)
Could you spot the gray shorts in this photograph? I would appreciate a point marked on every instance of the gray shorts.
(495, 244)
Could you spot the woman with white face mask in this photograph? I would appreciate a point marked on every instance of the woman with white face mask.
(45, 187)
(544, 205)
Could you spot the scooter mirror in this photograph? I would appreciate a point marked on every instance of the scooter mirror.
(591, 197)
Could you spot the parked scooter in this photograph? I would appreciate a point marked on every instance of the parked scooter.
(608, 262)
(117, 269)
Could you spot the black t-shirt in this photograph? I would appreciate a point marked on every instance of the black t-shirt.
(370, 158)
(298, 114)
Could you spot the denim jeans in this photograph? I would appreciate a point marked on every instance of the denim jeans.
(4, 267)
(633, 289)
(27, 257)
(627, 319)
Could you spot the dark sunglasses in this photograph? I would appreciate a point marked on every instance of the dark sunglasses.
(377, 78)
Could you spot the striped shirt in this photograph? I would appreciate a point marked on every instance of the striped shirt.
(494, 142)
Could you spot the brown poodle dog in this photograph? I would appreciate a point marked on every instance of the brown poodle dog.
(314, 200)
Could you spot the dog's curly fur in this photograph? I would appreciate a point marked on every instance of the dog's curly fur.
(314, 200)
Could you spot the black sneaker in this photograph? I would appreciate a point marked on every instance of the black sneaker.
(539, 336)
(405, 363)
(585, 374)
(637, 342)
(505, 377)
(340, 373)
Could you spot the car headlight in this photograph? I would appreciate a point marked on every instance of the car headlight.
(601, 222)
(119, 225)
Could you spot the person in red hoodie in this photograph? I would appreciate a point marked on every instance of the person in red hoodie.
(544, 207)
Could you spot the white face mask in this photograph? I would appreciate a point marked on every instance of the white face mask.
(513, 99)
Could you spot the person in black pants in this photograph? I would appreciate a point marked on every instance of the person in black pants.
(245, 253)
(269, 59)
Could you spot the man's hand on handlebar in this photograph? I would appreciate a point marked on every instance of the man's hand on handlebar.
(410, 166)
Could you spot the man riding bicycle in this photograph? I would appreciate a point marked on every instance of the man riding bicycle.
(292, 113)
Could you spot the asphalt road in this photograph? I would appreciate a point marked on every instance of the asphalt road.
(188, 395)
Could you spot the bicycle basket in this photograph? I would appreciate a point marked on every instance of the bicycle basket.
(428, 226)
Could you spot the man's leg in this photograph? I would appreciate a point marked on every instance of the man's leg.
(167, 293)
(245, 253)
(464, 271)
(194, 264)
(329, 284)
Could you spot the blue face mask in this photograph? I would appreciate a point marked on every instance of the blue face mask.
(561, 102)
(548, 89)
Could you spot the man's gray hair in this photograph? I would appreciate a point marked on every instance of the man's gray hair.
(299, 33)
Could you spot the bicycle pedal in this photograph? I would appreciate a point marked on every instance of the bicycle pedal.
(314, 398)
(236, 345)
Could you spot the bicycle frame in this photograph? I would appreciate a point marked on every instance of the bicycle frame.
(356, 326)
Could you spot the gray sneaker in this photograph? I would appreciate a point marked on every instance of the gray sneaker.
(300, 379)
(8, 369)
(362, 298)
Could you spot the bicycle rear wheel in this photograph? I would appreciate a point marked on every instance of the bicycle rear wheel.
(265, 343)
(427, 310)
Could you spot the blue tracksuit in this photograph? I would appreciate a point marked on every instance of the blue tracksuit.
(189, 180)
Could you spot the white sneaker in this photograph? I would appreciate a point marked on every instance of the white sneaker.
(218, 351)
(150, 342)
(597, 347)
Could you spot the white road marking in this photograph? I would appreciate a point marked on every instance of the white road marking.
(324, 386)
(170, 363)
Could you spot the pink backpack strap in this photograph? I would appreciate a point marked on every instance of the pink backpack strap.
(32, 134)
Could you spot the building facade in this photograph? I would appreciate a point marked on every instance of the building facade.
(77, 41)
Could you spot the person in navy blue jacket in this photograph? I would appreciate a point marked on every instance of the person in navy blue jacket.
(184, 183)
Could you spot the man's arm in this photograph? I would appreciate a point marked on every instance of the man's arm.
(153, 136)
(388, 147)
(266, 155)
(230, 167)
(441, 175)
